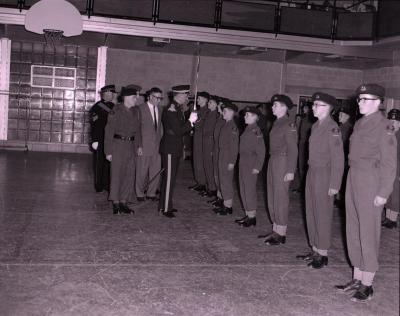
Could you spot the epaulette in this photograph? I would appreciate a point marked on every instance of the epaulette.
(390, 129)
(336, 131)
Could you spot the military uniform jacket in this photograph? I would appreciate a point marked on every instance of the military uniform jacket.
(217, 130)
(326, 150)
(252, 148)
(228, 143)
(175, 126)
(346, 129)
(98, 119)
(123, 122)
(283, 142)
(209, 126)
(373, 145)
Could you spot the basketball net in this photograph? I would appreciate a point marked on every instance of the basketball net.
(53, 37)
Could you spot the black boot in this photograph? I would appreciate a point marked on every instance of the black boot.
(193, 187)
(212, 193)
(116, 208)
(200, 188)
(318, 262)
(225, 210)
(169, 214)
(213, 200)
(203, 193)
(218, 204)
(275, 239)
(389, 223)
(353, 285)
(125, 209)
(250, 221)
(364, 293)
(241, 220)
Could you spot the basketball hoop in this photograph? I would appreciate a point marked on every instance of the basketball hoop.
(53, 37)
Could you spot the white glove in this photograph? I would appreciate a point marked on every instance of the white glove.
(231, 166)
(95, 145)
(379, 201)
(255, 171)
(193, 117)
(288, 177)
(332, 192)
(109, 157)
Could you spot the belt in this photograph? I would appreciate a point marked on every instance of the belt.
(126, 138)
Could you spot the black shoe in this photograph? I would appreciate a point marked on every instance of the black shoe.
(200, 188)
(218, 204)
(153, 198)
(141, 199)
(225, 211)
(265, 236)
(275, 239)
(193, 187)
(318, 262)
(389, 223)
(174, 210)
(213, 200)
(241, 220)
(364, 293)
(250, 221)
(307, 257)
(116, 209)
(169, 214)
(212, 193)
(125, 209)
(353, 285)
(203, 193)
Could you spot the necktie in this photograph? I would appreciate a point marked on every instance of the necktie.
(155, 118)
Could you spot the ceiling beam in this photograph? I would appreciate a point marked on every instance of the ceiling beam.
(210, 35)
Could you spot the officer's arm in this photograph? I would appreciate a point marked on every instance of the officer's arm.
(292, 149)
(173, 126)
(260, 151)
(109, 134)
(96, 124)
(388, 161)
(337, 158)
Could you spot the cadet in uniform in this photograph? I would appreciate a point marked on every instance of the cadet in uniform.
(372, 160)
(252, 155)
(393, 204)
(228, 147)
(281, 167)
(198, 166)
(208, 145)
(171, 147)
(217, 202)
(98, 119)
(324, 176)
(123, 141)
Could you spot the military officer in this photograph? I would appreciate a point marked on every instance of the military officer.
(324, 176)
(281, 167)
(171, 146)
(393, 204)
(123, 141)
(252, 155)
(217, 202)
(98, 121)
(372, 160)
(228, 147)
(198, 164)
(208, 143)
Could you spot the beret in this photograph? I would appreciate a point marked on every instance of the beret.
(107, 88)
(371, 88)
(326, 98)
(252, 109)
(131, 89)
(181, 88)
(394, 114)
(203, 94)
(345, 109)
(230, 105)
(283, 99)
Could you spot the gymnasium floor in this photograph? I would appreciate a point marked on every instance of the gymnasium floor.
(62, 252)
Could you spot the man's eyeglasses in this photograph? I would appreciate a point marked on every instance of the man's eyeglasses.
(365, 99)
(158, 98)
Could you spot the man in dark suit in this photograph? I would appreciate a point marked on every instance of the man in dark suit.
(98, 121)
(149, 163)
(171, 148)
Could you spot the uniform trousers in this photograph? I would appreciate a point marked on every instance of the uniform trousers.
(170, 163)
(101, 169)
(278, 190)
(147, 168)
(123, 171)
(319, 207)
(363, 218)
(225, 177)
(208, 163)
(198, 165)
(248, 188)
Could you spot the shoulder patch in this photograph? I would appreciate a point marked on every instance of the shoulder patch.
(390, 129)
(336, 131)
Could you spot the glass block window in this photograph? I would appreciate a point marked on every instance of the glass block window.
(53, 77)
(51, 92)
